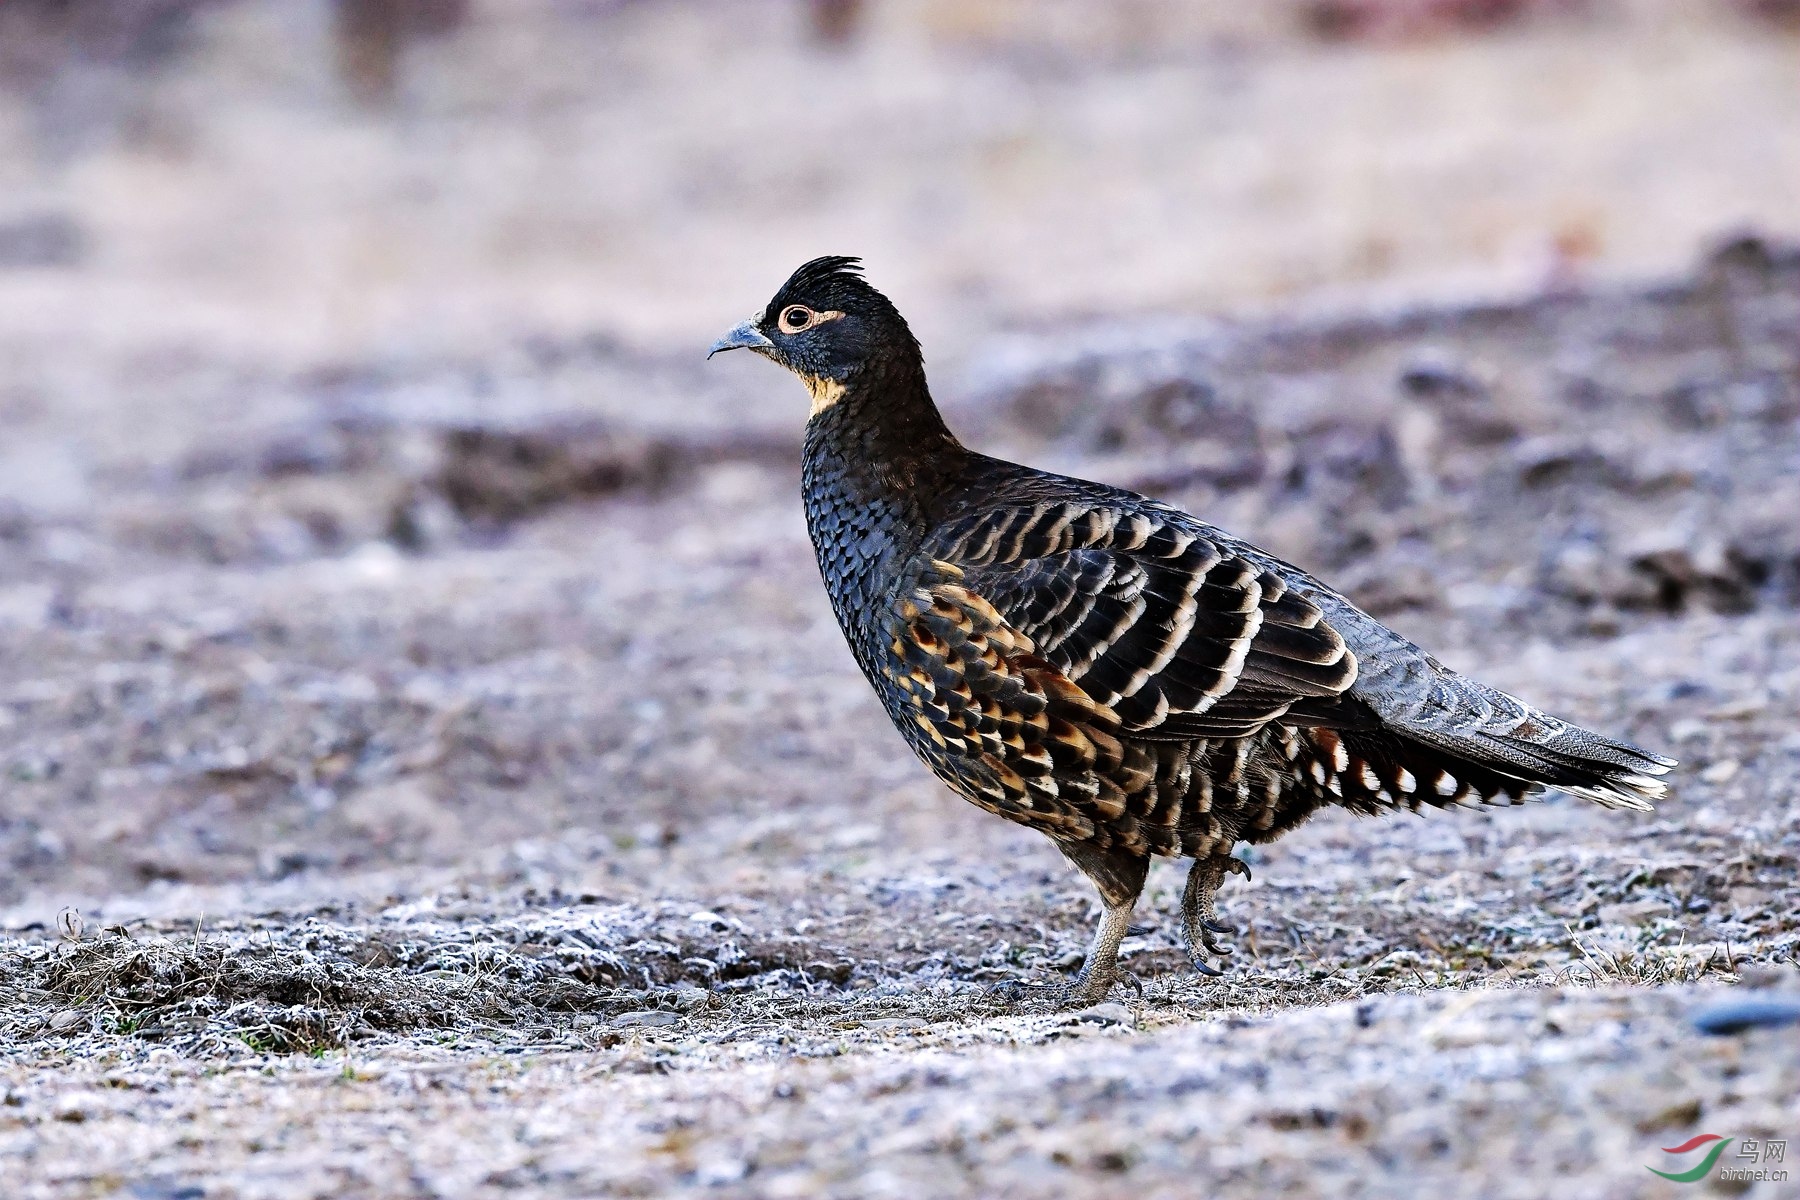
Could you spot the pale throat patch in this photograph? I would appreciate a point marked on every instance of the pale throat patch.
(825, 393)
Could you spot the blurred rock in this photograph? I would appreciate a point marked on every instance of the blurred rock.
(836, 22)
(1435, 373)
(1752, 1012)
(1461, 394)
(1687, 570)
(646, 1020)
(1349, 463)
(1543, 462)
(502, 475)
(41, 240)
(372, 37)
(1762, 976)
(1110, 1013)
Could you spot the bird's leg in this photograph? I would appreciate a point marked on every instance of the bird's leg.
(1101, 970)
(1120, 879)
(1199, 923)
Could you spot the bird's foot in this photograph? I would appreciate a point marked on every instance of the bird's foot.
(1202, 925)
(1085, 990)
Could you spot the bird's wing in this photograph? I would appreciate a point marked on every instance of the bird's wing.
(1016, 735)
(1180, 634)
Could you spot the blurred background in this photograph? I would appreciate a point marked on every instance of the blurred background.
(365, 496)
(305, 181)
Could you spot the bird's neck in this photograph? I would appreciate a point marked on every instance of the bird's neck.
(887, 442)
(877, 461)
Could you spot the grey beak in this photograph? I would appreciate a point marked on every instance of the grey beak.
(743, 336)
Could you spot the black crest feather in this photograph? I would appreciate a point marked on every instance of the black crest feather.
(820, 270)
(834, 281)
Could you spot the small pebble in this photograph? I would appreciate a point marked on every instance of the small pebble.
(149, 1189)
(67, 1019)
(1637, 912)
(1110, 1013)
(1720, 772)
(648, 1019)
(1737, 710)
(1736, 1016)
(721, 1172)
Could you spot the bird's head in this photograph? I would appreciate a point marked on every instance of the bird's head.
(828, 326)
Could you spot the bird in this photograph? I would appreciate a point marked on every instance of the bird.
(1109, 669)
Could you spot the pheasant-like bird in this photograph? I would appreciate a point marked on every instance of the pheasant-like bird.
(1108, 669)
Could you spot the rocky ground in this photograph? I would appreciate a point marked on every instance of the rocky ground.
(426, 784)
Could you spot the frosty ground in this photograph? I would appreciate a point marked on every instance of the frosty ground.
(447, 779)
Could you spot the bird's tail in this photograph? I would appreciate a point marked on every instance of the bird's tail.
(1583, 763)
(1503, 733)
(1492, 748)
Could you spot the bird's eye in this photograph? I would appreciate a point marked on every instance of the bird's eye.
(794, 319)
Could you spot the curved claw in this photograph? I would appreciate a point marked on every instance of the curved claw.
(1238, 866)
(1205, 968)
(1216, 926)
(1223, 950)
